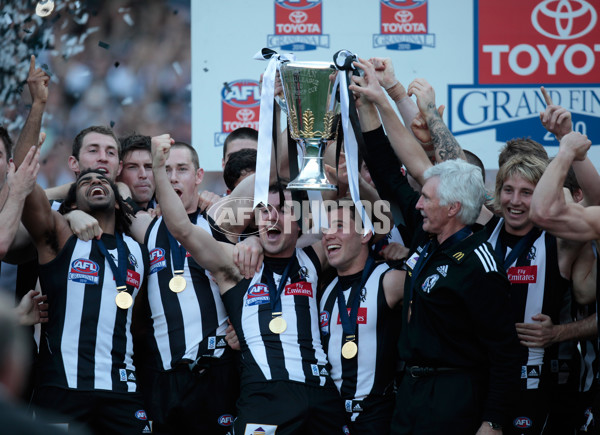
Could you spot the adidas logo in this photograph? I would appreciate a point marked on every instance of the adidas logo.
(324, 372)
(131, 377)
(533, 373)
(147, 430)
(443, 270)
(221, 343)
(357, 408)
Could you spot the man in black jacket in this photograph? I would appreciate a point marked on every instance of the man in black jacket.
(458, 340)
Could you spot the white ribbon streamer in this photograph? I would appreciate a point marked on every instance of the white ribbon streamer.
(265, 127)
(351, 150)
(318, 209)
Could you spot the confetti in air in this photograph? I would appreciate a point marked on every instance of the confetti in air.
(44, 8)
(27, 30)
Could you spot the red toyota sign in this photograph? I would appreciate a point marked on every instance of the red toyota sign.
(541, 41)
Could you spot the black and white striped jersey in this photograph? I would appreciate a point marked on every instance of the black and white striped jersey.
(536, 287)
(188, 324)
(372, 370)
(87, 342)
(297, 353)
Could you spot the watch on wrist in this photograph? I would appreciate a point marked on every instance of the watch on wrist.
(494, 426)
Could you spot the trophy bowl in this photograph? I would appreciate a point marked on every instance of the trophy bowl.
(312, 117)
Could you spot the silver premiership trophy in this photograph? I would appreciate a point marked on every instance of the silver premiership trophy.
(312, 120)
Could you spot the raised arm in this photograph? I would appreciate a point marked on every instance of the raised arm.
(47, 228)
(213, 256)
(18, 185)
(37, 81)
(557, 120)
(405, 145)
(445, 144)
(549, 209)
(384, 70)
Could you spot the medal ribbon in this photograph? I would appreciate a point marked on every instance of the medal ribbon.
(178, 252)
(520, 247)
(275, 292)
(349, 319)
(120, 271)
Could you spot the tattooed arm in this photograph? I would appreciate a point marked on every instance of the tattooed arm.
(445, 144)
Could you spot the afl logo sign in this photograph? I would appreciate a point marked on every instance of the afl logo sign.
(241, 93)
(241, 105)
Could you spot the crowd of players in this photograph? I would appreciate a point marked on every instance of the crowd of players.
(161, 315)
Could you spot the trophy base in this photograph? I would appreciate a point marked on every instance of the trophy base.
(311, 176)
(300, 185)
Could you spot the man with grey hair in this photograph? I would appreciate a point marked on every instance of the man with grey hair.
(457, 341)
(537, 265)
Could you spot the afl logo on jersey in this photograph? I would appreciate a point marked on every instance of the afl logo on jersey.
(522, 422)
(258, 294)
(157, 260)
(84, 271)
(225, 420)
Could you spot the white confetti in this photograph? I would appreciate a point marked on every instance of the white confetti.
(177, 68)
(127, 18)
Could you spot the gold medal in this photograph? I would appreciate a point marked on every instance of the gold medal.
(123, 300)
(349, 349)
(277, 325)
(177, 284)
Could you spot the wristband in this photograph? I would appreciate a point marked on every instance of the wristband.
(395, 92)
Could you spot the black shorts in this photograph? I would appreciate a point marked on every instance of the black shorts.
(289, 408)
(100, 411)
(181, 401)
